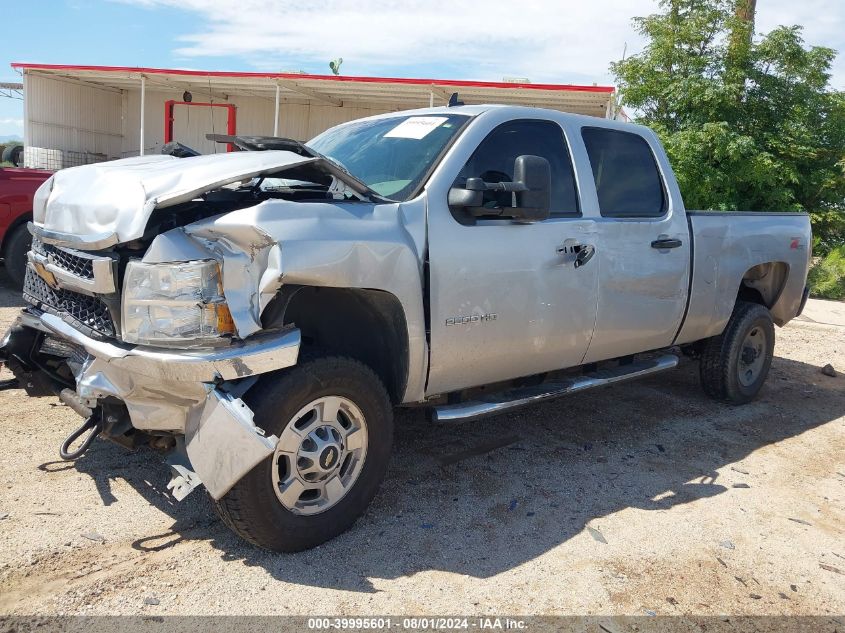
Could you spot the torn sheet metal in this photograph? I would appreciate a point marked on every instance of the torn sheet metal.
(249, 258)
(163, 388)
(322, 244)
(224, 444)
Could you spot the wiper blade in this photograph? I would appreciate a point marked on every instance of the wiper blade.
(175, 148)
(266, 143)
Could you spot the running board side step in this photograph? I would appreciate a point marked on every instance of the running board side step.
(517, 397)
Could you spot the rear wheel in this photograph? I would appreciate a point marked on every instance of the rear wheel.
(334, 422)
(734, 365)
(14, 255)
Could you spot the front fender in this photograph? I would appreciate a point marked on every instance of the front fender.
(337, 245)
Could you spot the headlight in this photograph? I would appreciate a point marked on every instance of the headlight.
(175, 304)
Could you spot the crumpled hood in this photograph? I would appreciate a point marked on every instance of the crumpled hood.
(110, 203)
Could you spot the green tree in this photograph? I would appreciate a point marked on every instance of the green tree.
(748, 123)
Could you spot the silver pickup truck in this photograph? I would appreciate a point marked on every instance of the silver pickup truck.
(257, 315)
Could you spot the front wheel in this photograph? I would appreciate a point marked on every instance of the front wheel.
(734, 365)
(334, 422)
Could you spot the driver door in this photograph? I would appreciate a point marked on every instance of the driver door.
(505, 298)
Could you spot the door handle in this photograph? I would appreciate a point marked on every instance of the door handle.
(666, 243)
(585, 254)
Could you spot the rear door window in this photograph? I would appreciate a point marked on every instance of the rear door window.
(627, 180)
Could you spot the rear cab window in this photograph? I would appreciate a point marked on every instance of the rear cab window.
(628, 182)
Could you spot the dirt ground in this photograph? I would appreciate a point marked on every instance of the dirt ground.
(643, 498)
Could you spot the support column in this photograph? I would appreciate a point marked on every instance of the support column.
(276, 117)
(143, 102)
(28, 161)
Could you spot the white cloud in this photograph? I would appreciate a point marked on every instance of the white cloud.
(545, 40)
(13, 122)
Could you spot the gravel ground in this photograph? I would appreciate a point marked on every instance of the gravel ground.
(638, 499)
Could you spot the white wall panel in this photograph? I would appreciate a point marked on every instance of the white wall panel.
(299, 121)
(153, 120)
(71, 116)
(64, 116)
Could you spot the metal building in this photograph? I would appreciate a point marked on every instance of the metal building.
(81, 114)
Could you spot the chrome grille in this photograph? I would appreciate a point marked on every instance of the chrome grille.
(90, 312)
(80, 266)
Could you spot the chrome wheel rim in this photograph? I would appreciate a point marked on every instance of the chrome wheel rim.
(320, 455)
(752, 356)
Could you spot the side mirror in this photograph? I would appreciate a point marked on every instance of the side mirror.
(534, 174)
(471, 195)
(530, 192)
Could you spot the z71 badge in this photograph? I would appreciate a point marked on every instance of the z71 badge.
(473, 318)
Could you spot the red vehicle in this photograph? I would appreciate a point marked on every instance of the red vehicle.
(17, 186)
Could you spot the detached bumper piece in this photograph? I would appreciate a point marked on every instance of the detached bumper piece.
(225, 445)
(190, 395)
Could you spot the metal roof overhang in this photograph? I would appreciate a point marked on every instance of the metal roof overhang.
(334, 90)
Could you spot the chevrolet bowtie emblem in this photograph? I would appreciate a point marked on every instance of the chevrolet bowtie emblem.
(48, 277)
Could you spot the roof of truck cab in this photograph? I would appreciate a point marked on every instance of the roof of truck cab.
(514, 111)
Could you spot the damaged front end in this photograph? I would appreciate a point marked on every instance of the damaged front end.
(188, 401)
(130, 323)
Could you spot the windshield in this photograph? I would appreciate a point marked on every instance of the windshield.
(392, 155)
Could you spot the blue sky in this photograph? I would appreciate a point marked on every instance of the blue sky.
(556, 41)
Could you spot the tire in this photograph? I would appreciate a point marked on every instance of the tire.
(734, 365)
(17, 155)
(254, 507)
(14, 255)
(12, 154)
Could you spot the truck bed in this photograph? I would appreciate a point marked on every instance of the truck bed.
(732, 246)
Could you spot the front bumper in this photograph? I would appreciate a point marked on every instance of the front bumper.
(181, 392)
(258, 355)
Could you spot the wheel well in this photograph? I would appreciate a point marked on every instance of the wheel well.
(763, 283)
(21, 219)
(367, 325)
(752, 295)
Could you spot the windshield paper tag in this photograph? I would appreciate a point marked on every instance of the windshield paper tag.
(416, 127)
